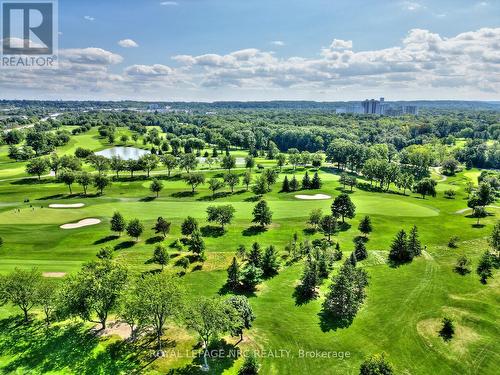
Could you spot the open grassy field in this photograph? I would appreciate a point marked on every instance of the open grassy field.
(401, 315)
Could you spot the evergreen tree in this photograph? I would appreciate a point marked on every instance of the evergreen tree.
(399, 252)
(294, 184)
(316, 181)
(484, 267)
(365, 226)
(337, 255)
(360, 250)
(414, 245)
(233, 275)
(352, 260)
(323, 263)
(309, 280)
(251, 276)
(286, 185)
(448, 329)
(255, 255)
(270, 262)
(306, 181)
(346, 294)
(118, 223)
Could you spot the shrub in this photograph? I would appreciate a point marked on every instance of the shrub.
(449, 194)
(448, 329)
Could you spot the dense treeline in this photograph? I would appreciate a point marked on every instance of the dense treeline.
(271, 132)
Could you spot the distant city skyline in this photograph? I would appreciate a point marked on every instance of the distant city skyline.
(234, 50)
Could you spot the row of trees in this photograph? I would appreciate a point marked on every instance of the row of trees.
(104, 288)
(307, 183)
(257, 265)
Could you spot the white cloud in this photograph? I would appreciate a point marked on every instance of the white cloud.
(127, 43)
(91, 56)
(89, 18)
(169, 3)
(156, 70)
(278, 43)
(412, 6)
(424, 59)
(466, 65)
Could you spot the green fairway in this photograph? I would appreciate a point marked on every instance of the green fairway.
(402, 311)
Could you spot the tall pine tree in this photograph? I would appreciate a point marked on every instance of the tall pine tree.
(306, 181)
(414, 245)
(286, 185)
(233, 275)
(316, 181)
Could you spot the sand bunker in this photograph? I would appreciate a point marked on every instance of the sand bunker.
(313, 197)
(60, 205)
(81, 223)
(54, 274)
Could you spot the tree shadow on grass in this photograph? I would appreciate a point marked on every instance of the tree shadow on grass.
(302, 297)
(124, 245)
(106, 239)
(212, 231)
(254, 198)
(240, 291)
(253, 230)
(147, 199)
(208, 198)
(219, 363)
(183, 194)
(55, 196)
(153, 240)
(30, 181)
(309, 231)
(397, 263)
(329, 322)
(344, 226)
(35, 348)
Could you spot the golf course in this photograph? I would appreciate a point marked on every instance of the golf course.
(55, 227)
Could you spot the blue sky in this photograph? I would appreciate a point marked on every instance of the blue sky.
(188, 50)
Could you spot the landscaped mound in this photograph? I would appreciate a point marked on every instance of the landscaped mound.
(312, 197)
(81, 223)
(61, 205)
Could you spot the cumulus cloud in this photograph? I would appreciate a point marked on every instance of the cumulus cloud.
(156, 70)
(466, 60)
(128, 43)
(424, 62)
(169, 3)
(91, 56)
(89, 18)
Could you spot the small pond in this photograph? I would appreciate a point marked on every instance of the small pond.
(126, 153)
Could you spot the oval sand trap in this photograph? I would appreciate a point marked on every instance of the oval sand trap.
(61, 205)
(80, 224)
(313, 197)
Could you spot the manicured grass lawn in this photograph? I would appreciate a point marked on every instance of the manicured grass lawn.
(401, 315)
